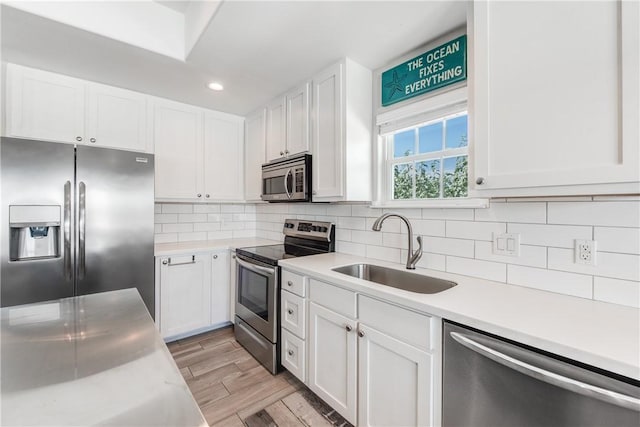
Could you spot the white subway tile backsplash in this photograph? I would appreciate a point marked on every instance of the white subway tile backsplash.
(365, 211)
(614, 214)
(390, 225)
(192, 217)
(623, 240)
(177, 228)
(447, 246)
(206, 208)
(232, 208)
(206, 226)
(394, 240)
(477, 268)
(157, 228)
(529, 212)
(427, 227)
(618, 266)
(366, 237)
(351, 223)
(343, 234)
(243, 233)
(188, 237)
(165, 218)
(448, 214)
(428, 260)
(337, 210)
(157, 208)
(623, 292)
(411, 213)
(558, 236)
(214, 235)
(533, 256)
(231, 226)
(382, 253)
(579, 285)
(475, 230)
(351, 248)
(166, 238)
(169, 208)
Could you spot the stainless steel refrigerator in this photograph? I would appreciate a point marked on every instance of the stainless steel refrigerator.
(76, 220)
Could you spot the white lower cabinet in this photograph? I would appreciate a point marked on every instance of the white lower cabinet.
(375, 363)
(194, 293)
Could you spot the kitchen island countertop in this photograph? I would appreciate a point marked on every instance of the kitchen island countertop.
(90, 360)
(592, 332)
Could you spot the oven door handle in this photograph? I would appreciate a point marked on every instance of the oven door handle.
(286, 180)
(256, 268)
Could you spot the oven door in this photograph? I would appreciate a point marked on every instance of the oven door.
(256, 296)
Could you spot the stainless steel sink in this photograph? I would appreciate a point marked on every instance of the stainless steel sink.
(396, 278)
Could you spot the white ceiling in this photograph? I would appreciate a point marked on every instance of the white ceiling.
(177, 5)
(257, 49)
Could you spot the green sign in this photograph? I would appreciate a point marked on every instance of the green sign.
(439, 67)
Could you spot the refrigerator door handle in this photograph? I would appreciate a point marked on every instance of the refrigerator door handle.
(549, 377)
(82, 223)
(67, 230)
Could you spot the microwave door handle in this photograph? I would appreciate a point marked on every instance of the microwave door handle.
(286, 182)
(549, 377)
(255, 268)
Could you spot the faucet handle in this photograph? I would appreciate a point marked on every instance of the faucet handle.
(415, 257)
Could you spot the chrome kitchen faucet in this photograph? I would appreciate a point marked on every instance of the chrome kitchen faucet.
(412, 258)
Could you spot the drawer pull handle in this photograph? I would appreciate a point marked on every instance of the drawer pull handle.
(289, 283)
(348, 328)
(290, 311)
(290, 352)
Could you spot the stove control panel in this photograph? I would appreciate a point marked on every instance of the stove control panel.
(309, 229)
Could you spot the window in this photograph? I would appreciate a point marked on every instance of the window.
(429, 160)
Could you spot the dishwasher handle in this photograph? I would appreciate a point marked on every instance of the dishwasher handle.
(549, 377)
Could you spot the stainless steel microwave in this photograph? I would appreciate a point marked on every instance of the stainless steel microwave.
(287, 180)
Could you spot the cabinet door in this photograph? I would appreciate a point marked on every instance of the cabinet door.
(44, 105)
(223, 161)
(117, 118)
(327, 144)
(185, 294)
(255, 138)
(297, 105)
(178, 151)
(220, 287)
(555, 98)
(332, 359)
(395, 382)
(276, 141)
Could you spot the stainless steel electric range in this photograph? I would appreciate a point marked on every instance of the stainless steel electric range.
(257, 325)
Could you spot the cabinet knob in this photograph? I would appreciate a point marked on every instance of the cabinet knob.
(78, 138)
(480, 180)
(286, 151)
(289, 283)
(233, 256)
(92, 140)
(282, 153)
(215, 257)
(348, 328)
(360, 334)
(290, 352)
(207, 196)
(165, 262)
(199, 195)
(290, 311)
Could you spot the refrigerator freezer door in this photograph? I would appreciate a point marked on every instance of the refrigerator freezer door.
(115, 222)
(36, 174)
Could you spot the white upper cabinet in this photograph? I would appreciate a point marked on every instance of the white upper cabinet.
(117, 118)
(48, 106)
(177, 134)
(276, 117)
(554, 98)
(43, 105)
(297, 102)
(223, 156)
(255, 133)
(341, 122)
(288, 124)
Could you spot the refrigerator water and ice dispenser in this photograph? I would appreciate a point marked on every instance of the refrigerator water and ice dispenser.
(34, 232)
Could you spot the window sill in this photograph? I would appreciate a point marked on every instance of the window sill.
(434, 204)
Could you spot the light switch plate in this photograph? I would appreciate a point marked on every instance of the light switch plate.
(506, 244)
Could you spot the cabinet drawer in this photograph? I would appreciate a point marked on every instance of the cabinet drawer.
(405, 325)
(293, 314)
(337, 299)
(293, 355)
(293, 282)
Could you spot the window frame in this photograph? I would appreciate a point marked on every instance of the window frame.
(433, 109)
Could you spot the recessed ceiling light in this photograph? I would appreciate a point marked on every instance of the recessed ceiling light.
(215, 86)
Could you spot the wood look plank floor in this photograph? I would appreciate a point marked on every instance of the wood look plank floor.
(233, 389)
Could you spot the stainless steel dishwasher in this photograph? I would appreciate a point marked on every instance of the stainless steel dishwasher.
(489, 381)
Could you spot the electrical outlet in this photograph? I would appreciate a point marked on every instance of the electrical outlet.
(585, 252)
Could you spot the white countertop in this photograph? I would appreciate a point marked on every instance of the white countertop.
(163, 249)
(592, 332)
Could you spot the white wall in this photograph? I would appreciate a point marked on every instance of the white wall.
(459, 240)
